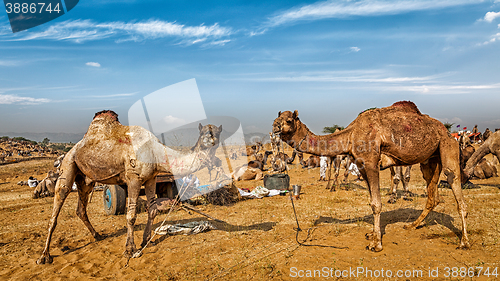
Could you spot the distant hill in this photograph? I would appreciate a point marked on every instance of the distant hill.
(182, 137)
(53, 137)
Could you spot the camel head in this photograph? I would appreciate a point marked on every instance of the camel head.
(286, 124)
(209, 136)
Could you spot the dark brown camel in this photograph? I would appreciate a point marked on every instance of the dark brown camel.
(111, 153)
(380, 138)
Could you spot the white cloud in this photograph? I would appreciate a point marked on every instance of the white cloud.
(114, 95)
(94, 64)
(13, 99)
(171, 120)
(349, 76)
(80, 31)
(355, 49)
(454, 120)
(493, 39)
(493, 122)
(490, 16)
(8, 63)
(346, 8)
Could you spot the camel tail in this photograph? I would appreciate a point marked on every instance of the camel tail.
(475, 158)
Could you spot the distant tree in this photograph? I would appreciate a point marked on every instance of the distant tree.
(448, 125)
(45, 141)
(332, 129)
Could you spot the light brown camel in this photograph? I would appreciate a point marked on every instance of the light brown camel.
(338, 162)
(397, 176)
(111, 153)
(260, 161)
(491, 145)
(252, 150)
(311, 162)
(379, 138)
(46, 187)
(279, 162)
(247, 173)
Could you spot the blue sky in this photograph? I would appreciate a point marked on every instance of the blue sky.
(329, 60)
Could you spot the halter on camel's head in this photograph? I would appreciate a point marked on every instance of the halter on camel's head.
(286, 124)
(107, 113)
(209, 136)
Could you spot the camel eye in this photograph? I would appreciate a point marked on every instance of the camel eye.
(289, 121)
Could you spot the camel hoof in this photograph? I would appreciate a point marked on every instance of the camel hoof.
(44, 259)
(464, 246)
(369, 236)
(407, 198)
(129, 253)
(409, 226)
(99, 237)
(375, 249)
(392, 200)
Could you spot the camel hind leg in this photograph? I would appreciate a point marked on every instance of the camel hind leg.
(84, 190)
(431, 169)
(63, 188)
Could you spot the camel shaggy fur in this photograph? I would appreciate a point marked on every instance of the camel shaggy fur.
(380, 138)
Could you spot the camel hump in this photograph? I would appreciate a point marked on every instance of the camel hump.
(407, 106)
(107, 113)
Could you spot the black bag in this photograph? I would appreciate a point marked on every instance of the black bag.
(277, 181)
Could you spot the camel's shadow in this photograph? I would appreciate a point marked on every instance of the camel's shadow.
(220, 225)
(490, 184)
(350, 185)
(400, 215)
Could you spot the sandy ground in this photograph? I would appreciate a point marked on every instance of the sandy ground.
(257, 240)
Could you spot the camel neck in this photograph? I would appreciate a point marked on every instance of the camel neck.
(182, 164)
(325, 145)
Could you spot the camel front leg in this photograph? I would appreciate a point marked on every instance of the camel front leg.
(371, 174)
(134, 188)
(63, 188)
(81, 210)
(150, 187)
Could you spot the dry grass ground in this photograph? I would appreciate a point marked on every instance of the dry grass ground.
(257, 240)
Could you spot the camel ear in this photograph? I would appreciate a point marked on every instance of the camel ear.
(200, 126)
(295, 114)
(279, 113)
(220, 128)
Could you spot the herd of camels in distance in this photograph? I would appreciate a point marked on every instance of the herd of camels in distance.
(395, 136)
